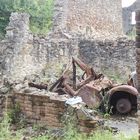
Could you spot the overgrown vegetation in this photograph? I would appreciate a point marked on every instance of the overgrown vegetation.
(5, 132)
(71, 134)
(106, 135)
(132, 34)
(40, 13)
(14, 114)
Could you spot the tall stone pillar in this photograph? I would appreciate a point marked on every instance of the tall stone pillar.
(138, 62)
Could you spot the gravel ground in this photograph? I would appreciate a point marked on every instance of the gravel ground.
(126, 125)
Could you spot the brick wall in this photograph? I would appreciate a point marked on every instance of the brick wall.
(46, 110)
(39, 108)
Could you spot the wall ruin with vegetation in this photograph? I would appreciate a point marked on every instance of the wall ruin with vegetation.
(47, 110)
(23, 54)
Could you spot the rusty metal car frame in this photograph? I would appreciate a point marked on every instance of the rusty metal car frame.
(94, 88)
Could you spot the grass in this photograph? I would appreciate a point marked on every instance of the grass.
(116, 76)
(70, 134)
(105, 135)
(131, 35)
(5, 133)
(41, 138)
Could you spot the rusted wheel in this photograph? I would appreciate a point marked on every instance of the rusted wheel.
(123, 106)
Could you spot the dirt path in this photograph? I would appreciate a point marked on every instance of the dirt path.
(126, 125)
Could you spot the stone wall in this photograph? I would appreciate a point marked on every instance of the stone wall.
(127, 16)
(22, 54)
(101, 19)
(2, 104)
(109, 56)
(16, 48)
(60, 14)
(55, 47)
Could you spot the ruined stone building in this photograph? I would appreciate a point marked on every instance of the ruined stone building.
(95, 17)
(22, 53)
(127, 16)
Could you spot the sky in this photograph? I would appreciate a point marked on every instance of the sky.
(126, 3)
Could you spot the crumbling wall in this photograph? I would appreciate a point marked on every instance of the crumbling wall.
(60, 14)
(38, 108)
(54, 48)
(101, 19)
(16, 48)
(109, 56)
(22, 54)
(2, 104)
(127, 16)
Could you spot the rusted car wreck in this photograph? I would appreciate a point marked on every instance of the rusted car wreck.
(96, 90)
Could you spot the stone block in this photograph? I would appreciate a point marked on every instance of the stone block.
(81, 115)
(87, 123)
(52, 112)
(36, 117)
(53, 105)
(29, 114)
(137, 18)
(138, 57)
(138, 40)
(30, 120)
(28, 106)
(55, 125)
(42, 123)
(51, 116)
(137, 44)
(137, 52)
(85, 129)
(27, 102)
(42, 113)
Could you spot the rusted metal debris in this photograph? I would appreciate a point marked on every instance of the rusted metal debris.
(39, 86)
(96, 90)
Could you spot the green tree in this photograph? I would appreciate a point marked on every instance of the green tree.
(40, 11)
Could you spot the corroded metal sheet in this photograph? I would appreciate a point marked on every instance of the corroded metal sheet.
(90, 96)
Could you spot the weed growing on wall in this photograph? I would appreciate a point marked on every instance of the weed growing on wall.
(14, 114)
(5, 132)
(16, 117)
(132, 34)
